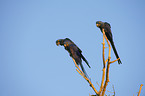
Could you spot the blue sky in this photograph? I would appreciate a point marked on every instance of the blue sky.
(32, 65)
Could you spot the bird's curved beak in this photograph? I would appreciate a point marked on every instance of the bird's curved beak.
(57, 43)
(97, 25)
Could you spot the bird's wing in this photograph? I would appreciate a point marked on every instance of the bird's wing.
(71, 42)
(108, 33)
(79, 53)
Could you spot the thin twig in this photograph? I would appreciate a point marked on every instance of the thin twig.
(106, 61)
(83, 75)
(114, 60)
(78, 68)
(140, 90)
(113, 90)
(80, 73)
(98, 84)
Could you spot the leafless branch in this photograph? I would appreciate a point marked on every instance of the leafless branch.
(83, 75)
(140, 90)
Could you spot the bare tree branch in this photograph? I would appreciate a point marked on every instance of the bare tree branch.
(87, 79)
(140, 90)
(108, 66)
(104, 67)
(114, 60)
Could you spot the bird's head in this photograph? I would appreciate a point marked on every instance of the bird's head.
(59, 42)
(99, 24)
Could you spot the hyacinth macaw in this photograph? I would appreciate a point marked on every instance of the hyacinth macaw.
(107, 29)
(74, 52)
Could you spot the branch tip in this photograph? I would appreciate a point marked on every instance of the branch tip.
(140, 90)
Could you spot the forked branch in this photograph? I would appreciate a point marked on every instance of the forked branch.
(108, 64)
(86, 78)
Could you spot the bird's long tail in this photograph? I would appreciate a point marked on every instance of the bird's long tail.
(115, 51)
(85, 60)
(84, 71)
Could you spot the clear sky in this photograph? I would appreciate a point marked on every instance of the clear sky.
(32, 65)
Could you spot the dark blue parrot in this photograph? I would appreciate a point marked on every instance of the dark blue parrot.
(107, 28)
(74, 52)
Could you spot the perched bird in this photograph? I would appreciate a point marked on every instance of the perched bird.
(74, 52)
(107, 29)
